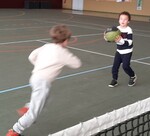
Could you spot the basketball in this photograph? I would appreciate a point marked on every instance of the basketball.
(111, 33)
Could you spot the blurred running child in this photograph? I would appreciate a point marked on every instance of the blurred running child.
(48, 62)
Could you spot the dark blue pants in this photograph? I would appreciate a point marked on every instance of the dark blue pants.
(125, 60)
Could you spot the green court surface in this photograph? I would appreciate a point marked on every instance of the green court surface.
(77, 95)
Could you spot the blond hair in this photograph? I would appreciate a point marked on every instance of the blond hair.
(60, 33)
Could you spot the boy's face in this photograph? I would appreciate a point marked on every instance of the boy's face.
(123, 20)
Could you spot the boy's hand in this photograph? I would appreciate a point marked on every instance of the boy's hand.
(118, 38)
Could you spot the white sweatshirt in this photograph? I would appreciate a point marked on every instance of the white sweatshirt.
(49, 60)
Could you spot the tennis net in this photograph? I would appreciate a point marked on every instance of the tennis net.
(137, 126)
(131, 120)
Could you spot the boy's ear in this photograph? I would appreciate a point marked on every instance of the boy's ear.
(65, 43)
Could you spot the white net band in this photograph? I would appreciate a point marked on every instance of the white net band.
(107, 120)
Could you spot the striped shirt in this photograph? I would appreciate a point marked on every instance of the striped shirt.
(125, 45)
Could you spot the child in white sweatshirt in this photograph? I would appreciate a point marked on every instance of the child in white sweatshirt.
(48, 62)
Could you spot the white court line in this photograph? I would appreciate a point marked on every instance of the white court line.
(141, 62)
(102, 54)
(56, 21)
(143, 58)
(59, 78)
(92, 70)
(92, 52)
(97, 53)
(85, 35)
(7, 43)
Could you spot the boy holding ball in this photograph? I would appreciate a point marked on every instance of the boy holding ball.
(124, 51)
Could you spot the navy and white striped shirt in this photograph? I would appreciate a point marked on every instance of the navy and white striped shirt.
(125, 45)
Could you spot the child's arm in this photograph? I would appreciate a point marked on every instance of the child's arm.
(71, 61)
(126, 38)
(33, 56)
(119, 39)
(74, 62)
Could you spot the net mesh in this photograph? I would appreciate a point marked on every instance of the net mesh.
(137, 126)
(131, 120)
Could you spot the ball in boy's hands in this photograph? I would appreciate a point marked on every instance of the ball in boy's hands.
(111, 33)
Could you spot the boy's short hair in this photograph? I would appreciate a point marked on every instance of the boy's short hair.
(60, 33)
(125, 13)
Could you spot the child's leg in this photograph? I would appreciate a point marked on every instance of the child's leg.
(40, 93)
(126, 58)
(116, 65)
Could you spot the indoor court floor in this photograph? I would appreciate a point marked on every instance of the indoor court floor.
(77, 95)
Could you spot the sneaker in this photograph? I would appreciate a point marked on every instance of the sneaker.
(132, 81)
(22, 111)
(11, 132)
(113, 83)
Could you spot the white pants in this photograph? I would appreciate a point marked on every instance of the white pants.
(39, 96)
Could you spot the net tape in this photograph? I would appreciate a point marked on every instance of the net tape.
(110, 124)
